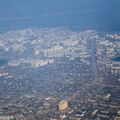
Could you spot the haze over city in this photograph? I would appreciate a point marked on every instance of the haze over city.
(59, 60)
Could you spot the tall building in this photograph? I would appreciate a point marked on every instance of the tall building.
(63, 105)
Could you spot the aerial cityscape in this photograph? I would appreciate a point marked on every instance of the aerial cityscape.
(59, 74)
(59, 59)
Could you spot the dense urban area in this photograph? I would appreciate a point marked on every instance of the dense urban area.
(58, 74)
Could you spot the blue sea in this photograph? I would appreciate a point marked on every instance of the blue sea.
(117, 59)
(101, 15)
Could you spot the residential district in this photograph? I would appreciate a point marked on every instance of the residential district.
(59, 74)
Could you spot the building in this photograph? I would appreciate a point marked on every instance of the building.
(117, 118)
(63, 105)
(7, 118)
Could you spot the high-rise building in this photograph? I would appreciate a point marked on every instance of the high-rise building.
(63, 105)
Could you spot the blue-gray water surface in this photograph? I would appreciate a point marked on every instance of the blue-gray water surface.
(102, 15)
(117, 59)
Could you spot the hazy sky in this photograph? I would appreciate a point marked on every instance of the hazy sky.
(15, 9)
(60, 12)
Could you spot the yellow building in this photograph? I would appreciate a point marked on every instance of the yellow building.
(63, 105)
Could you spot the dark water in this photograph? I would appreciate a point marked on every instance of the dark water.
(102, 15)
(117, 59)
(3, 62)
